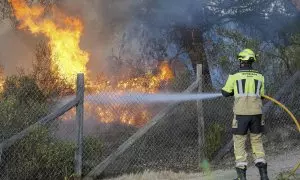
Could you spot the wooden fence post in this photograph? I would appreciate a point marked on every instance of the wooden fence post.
(201, 132)
(79, 125)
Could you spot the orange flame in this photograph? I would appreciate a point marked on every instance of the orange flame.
(2, 81)
(136, 114)
(130, 114)
(148, 83)
(63, 33)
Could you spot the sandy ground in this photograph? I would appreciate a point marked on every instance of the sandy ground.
(277, 164)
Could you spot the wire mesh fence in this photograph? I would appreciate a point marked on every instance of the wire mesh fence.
(171, 144)
(40, 153)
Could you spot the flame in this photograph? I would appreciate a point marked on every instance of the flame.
(67, 59)
(63, 33)
(136, 115)
(148, 83)
(2, 78)
(2, 81)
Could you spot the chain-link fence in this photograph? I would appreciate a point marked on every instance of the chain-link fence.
(171, 142)
(34, 142)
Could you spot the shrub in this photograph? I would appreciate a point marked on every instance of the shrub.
(39, 156)
(22, 104)
(23, 88)
(92, 152)
(213, 139)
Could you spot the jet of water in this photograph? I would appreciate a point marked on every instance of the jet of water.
(145, 98)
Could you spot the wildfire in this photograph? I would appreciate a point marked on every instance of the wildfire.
(63, 33)
(129, 114)
(148, 83)
(2, 78)
(67, 59)
(135, 114)
(1, 83)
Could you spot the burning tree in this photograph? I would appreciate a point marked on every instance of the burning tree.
(47, 77)
(63, 34)
(60, 59)
(1, 77)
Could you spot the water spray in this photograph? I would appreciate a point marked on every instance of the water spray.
(145, 98)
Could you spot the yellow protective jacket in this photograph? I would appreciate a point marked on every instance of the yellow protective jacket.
(247, 86)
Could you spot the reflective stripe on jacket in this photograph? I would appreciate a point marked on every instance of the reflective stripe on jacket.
(247, 86)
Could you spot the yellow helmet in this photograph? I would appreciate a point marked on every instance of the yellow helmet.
(247, 55)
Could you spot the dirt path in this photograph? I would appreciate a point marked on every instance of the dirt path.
(277, 164)
(281, 163)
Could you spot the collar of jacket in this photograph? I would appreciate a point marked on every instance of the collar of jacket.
(247, 69)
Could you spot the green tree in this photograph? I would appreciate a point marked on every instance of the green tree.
(40, 156)
(292, 52)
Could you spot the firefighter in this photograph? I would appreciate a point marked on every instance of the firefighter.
(247, 87)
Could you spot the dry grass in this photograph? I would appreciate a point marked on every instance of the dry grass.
(147, 175)
(278, 163)
(217, 175)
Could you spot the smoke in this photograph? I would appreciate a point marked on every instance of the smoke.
(172, 12)
(124, 28)
(112, 27)
(102, 22)
(17, 48)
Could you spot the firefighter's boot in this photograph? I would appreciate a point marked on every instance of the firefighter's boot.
(241, 173)
(262, 167)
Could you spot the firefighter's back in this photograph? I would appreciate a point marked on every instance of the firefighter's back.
(248, 89)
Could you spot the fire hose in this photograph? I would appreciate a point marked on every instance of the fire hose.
(293, 172)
